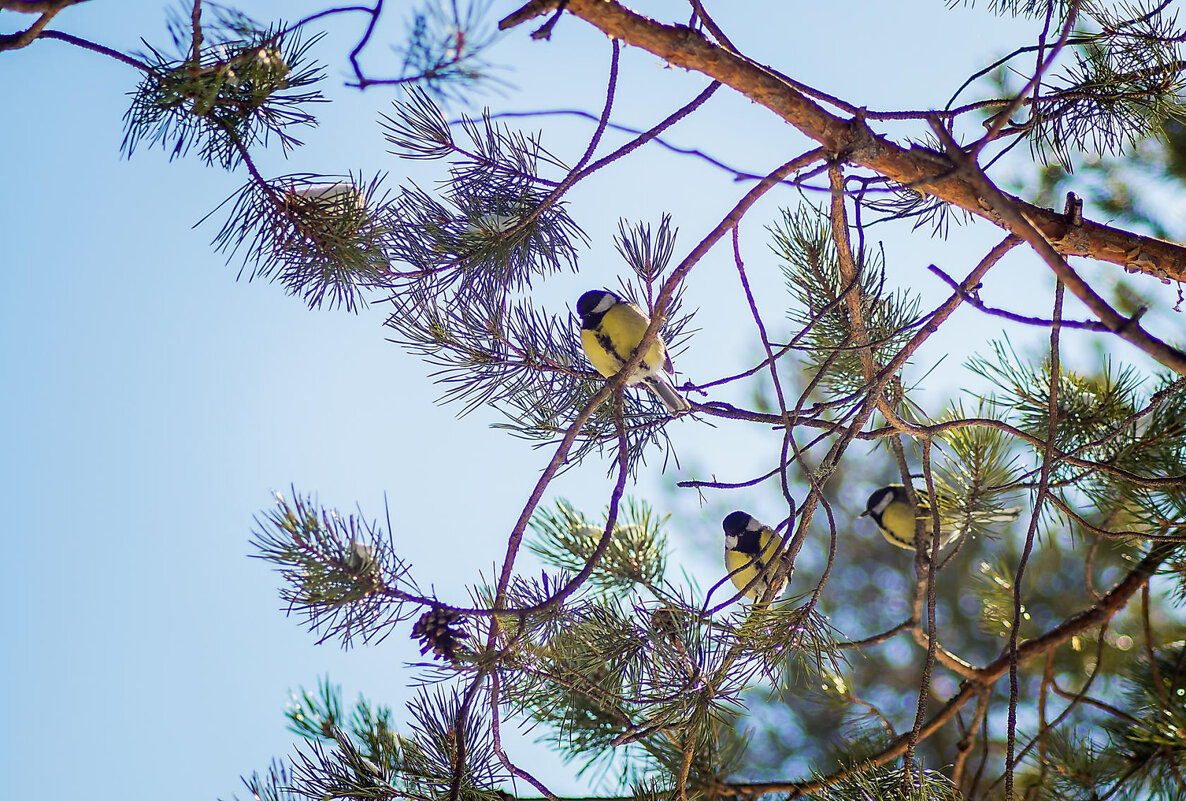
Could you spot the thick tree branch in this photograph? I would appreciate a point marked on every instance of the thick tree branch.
(1010, 217)
(920, 168)
(15, 41)
(37, 6)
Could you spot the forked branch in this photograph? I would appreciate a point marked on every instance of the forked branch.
(919, 168)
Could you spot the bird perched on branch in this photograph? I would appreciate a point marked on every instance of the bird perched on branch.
(752, 547)
(611, 329)
(893, 513)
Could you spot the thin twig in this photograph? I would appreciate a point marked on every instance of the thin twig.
(710, 24)
(1002, 118)
(15, 41)
(1127, 328)
(511, 767)
(375, 11)
(873, 639)
(968, 741)
(783, 567)
(1031, 535)
(96, 48)
(924, 566)
(973, 299)
(196, 51)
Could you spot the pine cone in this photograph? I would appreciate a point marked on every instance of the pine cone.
(439, 630)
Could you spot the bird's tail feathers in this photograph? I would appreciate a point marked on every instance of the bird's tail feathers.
(1007, 515)
(675, 402)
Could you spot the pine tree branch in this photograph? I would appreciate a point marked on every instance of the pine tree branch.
(1074, 516)
(1074, 699)
(653, 133)
(973, 299)
(1001, 118)
(1096, 615)
(1031, 534)
(738, 174)
(37, 6)
(1107, 607)
(1075, 93)
(966, 743)
(95, 48)
(782, 471)
(559, 458)
(576, 174)
(611, 521)
(1012, 216)
(726, 409)
(925, 170)
(932, 324)
(459, 749)
(710, 24)
(924, 570)
(329, 12)
(873, 639)
(929, 431)
(1081, 696)
(613, 386)
(196, 20)
(511, 767)
(1156, 401)
(855, 300)
(15, 41)
(375, 12)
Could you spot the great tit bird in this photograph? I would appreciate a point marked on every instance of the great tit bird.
(752, 546)
(891, 510)
(611, 329)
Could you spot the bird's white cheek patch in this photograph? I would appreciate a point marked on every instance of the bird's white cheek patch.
(883, 504)
(604, 304)
(753, 525)
(730, 542)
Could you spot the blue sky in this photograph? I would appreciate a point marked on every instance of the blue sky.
(153, 403)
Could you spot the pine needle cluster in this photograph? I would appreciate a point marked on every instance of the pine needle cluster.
(1125, 83)
(445, 49)
(1128, 444)
(246, 85)
(635, 659)
(803, 241)
(326, 239)
(474, 249)
(341, 573)
(973, 475)
(234, 86)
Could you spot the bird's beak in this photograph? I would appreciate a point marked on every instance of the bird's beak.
(864, 513)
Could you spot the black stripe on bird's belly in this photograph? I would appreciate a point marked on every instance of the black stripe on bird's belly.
(607, 345)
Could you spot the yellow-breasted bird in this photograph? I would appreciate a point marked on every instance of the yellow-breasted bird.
(752, 546)
(891, 510)
(611, 329)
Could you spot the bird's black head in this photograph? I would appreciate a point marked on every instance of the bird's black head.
(595, 302)
(881, 499)
(736, 523)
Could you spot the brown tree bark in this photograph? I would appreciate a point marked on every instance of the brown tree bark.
(922, 169)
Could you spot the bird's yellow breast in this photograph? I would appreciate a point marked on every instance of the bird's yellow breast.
(897, 524)
(734, 560)
(611, 343)
(769, 543)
